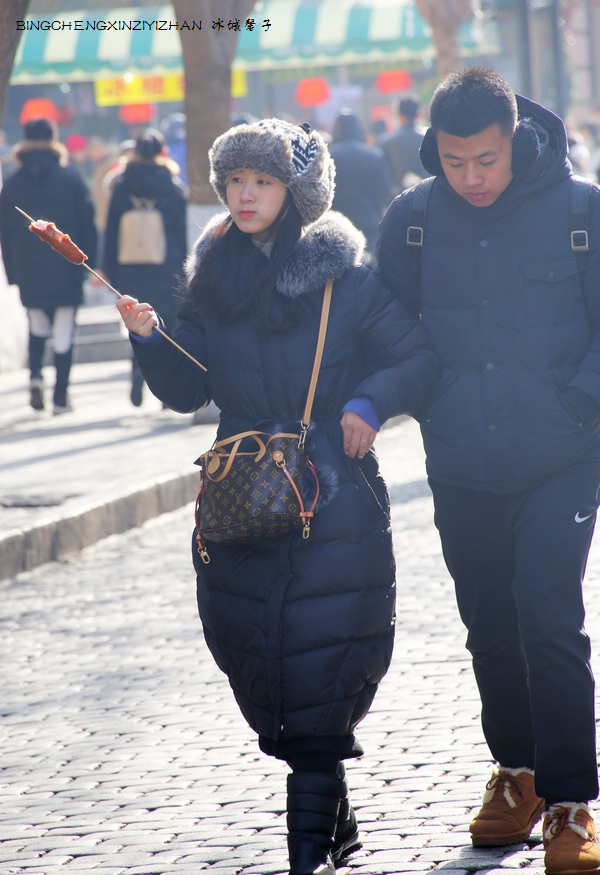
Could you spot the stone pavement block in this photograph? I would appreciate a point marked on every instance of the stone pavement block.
(374, 866)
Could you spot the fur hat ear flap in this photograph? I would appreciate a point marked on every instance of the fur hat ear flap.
(295, 155)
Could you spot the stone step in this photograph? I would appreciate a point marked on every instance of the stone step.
(100, 335)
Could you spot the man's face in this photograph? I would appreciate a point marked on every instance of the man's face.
(478, 167)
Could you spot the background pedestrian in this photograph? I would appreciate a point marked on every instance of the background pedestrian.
(363, 184)
(51, 288)
(152, 178)
(401, 147)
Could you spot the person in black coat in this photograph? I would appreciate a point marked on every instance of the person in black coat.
(152, 176)
(51, 288)
(512, 438)
(302, 627)
(363, 183)
(401, 147)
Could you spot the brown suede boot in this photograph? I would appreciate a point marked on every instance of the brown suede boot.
(510, 809)
(570, 840)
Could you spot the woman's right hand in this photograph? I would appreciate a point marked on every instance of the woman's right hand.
(138, 318)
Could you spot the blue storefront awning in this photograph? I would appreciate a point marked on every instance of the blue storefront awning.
(79, 46)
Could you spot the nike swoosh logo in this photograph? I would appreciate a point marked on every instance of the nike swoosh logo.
(582, 519)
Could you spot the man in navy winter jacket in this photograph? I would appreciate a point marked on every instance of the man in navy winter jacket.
(512, 439)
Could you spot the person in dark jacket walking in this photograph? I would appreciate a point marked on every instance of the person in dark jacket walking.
(401, 147)
(51, 288)
(150, 177)
(512, 440)
(363, 183)
(303, 628)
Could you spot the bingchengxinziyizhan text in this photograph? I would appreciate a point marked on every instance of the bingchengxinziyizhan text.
(138, 24)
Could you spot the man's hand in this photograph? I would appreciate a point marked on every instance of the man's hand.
(358, 435)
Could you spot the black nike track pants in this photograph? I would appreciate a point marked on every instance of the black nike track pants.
(518, 563)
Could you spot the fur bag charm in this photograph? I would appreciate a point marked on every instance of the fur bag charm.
(256, 485)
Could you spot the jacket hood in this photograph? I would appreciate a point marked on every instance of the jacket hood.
(539, 145)
(149, 179)
(326, 250)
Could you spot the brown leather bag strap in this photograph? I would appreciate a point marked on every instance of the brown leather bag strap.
(318, 355)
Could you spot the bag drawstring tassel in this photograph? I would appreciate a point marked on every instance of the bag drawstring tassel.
(305, 515)
(199, 542)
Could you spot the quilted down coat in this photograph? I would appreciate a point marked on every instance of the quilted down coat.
(303, 629)
(45, 189)
(508, 314)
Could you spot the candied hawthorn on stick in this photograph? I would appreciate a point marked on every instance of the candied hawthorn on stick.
(60, 242)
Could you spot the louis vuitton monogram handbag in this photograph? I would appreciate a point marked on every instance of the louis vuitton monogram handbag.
(255, 485)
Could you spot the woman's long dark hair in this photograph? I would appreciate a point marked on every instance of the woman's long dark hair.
(235, 280)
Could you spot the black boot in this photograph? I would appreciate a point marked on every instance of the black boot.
(37, 348)
(312, 805)
(137, 384)
(346, 839)
(62, 364)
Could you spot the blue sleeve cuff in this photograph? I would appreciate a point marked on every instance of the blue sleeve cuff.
(365, 409)
(144, 341)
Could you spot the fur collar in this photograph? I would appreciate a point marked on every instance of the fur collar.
(327, 249)
(36, 147)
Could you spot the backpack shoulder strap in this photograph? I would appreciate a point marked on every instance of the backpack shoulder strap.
(417, 214)
(578, 216)
(579, 219)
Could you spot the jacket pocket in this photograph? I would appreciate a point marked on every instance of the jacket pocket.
(566, 411)
(551, 271)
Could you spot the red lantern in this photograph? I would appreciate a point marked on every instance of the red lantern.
(38, 107)
(312, 92)
(137, 113)
(389, 81)
(66, 116)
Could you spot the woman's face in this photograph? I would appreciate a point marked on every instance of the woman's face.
(254, 200)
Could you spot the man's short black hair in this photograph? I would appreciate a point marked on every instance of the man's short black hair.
(408, 106)
(471, 99)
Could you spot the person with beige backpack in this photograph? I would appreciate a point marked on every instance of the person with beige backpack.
(306, 356)
(145, 238)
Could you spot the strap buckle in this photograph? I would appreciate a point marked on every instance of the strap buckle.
(580, 241)
(414, 235)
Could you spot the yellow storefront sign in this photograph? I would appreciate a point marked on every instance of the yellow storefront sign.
(130, 89)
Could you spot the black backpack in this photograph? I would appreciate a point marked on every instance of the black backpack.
(578, 218)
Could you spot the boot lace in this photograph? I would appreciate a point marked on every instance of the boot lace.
(558, 819)
(502, 780)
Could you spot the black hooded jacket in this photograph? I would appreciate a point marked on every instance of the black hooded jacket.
(363, 183)
(156, 283)
(515, 326)
(45, 189)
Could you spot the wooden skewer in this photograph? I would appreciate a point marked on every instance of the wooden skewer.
(119, 295)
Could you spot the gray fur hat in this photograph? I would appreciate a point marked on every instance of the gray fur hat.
(295, 155)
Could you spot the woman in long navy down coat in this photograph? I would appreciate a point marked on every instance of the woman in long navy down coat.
(303, 629)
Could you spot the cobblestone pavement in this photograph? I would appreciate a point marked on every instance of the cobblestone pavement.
(123, 750)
